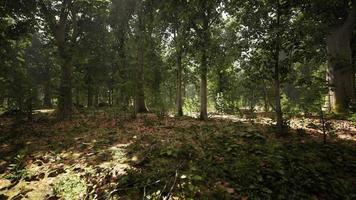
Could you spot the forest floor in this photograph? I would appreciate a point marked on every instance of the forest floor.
(101, 156)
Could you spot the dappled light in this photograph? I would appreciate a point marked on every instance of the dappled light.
(177, 100)
(225, 157)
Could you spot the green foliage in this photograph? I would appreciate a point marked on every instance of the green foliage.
(16, 169)
(191, 105)
(233, 161)
(353, 118)
(70, 186)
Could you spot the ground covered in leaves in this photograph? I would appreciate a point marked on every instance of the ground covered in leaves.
(102, 156)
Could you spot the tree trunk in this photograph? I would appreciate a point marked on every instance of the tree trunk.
(204, 87)
(277, 84)
(96, 99)
(179, 84)
(47, 99)
(140, 94)
(279, 112)
(47, 102)
(340, 70)
(204, 68)
(29, 109)
(353, 79)
(140, 104)
(77, 97)
(65, 103)
(65, 107)
(90, 97)
(341, 73)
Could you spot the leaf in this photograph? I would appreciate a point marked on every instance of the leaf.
(197, 178)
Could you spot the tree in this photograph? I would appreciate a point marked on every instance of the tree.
(176, 21)
(204, 15)
(337, 20)
(59, 30)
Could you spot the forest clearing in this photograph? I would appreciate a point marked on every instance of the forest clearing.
(178, 99)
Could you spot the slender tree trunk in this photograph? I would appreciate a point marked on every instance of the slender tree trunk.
(179, 84)
(204, 87)
(204, 69)
(279, 112)
(341, 74)
(47, 102)
(90, 97)
(266, 103)
(277, 84)
(29, 109)
(353, 78)
(47, 99)
(140, 91)
(96, 99)
(140, 104)
(77, 96)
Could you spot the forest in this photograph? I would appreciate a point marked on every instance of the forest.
(177, 99)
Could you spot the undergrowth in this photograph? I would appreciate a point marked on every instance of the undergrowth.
(228, 162)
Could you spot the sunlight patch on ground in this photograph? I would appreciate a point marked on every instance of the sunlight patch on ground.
(44, 111)
(118, 163)
(340, 128)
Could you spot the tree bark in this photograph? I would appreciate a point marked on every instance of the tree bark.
(96, 98)
(77, 97)
(47, 99)
(341, 72)
(353, 76)
(65, 103)
(179, 84)
(204, 67)
(140, 90)
(277, 84)
(204, 87)
(140, 104)
(90, 97)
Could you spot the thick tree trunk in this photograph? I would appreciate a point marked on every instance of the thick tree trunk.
(340, 69)
(65, 103)
(179, 85)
